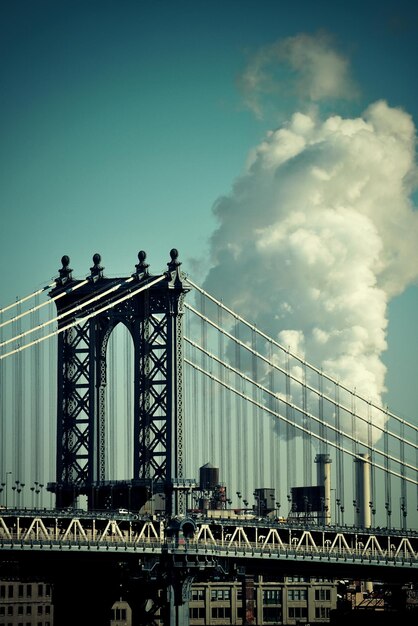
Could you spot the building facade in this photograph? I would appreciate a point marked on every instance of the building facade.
(26, 603)
(290, 600)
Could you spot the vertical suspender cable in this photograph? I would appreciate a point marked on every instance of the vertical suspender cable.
(290, 434)
(129, 414)
(52, 411)
(114, 434)
(416, 464)
(3, 387)
(37, 404)
(306, 443)
(403, 501)
(196, 421)
(221, 418)
(238, 415)
(205, 430)
(272, 423)
(257, 419)
(354, 449)
(211, 412)
(19, 395)
(229, 439)
(388, 495)
(322, 447)
(372, 502)
(247, 458)
(339, 487)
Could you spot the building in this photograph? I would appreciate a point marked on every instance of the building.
(285, 600)
(121, 614)
(26, 603)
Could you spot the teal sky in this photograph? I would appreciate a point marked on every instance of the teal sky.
(121, 124)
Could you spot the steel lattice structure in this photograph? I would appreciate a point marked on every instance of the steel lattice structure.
(152, 313)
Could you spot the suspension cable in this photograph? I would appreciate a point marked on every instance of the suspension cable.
(297, 357)
(291, 406)
(31, 295)
(292, 376)
(84, 318)
(282, 417)
(39, 306)
(68, 312)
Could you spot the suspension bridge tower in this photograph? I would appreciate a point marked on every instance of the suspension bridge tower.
(88, 311)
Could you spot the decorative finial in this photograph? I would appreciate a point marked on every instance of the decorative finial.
(141, 267)
(173, 264)
(97, 270)
(65, 271)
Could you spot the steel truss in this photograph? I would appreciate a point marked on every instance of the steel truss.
(230, 539)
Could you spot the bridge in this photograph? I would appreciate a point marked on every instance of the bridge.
(147, 427)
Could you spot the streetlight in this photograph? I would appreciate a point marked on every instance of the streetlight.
(403, 512)
(17, 488)
(388, 514)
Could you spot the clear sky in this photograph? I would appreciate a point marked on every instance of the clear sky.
(123, 123)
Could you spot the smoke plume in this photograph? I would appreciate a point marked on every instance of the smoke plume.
(320, 232)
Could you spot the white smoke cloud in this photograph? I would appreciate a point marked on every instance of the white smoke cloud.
(305, 66)
(319, 234)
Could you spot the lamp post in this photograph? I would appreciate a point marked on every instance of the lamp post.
(403, 513)
(388, 514)
(17, 488)
(239, 495)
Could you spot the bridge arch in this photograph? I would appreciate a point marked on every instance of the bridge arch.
(150, 307)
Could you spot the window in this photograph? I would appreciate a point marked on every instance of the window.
(322, 612)
(2, 591)
(29, 591)
(20, 591)
(40, 589)
(296, 612)
(220, 594)
(272, 596)
(272, 614)
(297, 594)
(20, 610)
(40, 609)
(10, 610)
(198, 594)
(10, 591)
(197, 612)
(297, 579)
(322, 594)
(221, 612)
(28, 610)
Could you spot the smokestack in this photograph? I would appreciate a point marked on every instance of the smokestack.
(362, 491)
(323, 473)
